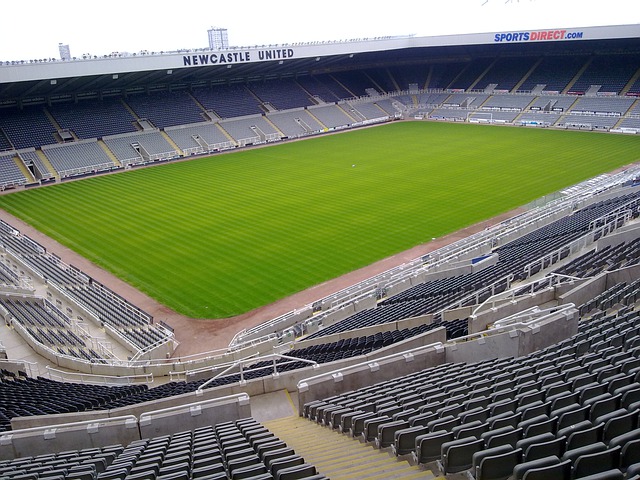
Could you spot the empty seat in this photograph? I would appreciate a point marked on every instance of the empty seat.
(588, 436)
(597, 462)
(537, 465)
(495, 463)
(428, 446)
(404, 439)
(457, 455)
(536, 451)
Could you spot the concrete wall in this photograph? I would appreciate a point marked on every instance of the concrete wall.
(479, 322)
(99, 429)
(584, 292)
(514, 343)
(368, 373)
(626, 233)
(97, 433)
(628, 275)
(194, 415)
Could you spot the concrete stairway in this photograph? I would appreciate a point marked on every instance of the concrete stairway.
(340, 457)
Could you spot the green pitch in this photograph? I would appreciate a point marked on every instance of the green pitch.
(218, 236)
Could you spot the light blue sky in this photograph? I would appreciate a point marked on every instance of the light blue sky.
(34, 29)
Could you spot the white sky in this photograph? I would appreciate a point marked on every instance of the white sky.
(33, 29)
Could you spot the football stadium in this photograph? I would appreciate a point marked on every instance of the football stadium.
(383, 258)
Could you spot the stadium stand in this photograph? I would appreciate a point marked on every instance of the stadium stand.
(228, 101)
(505, 74)
(202, 138)
(323, 88)
(29, 127)
(250, 130)
(78, 158)
(140, 148)
(281, 95)
(295, 123)
(443, 369)
(554, 73)
(607, 74)
(10, 174)
(331, 116)
(166, 109)
(94, 119)
(471, 73)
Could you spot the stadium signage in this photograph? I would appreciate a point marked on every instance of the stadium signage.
(245, 56)
(537, 36)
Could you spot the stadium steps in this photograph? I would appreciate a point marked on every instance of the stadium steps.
(524, 110)
(340, 457)
(23, 168)
(393, 80)
(527, 75)
(273, 125)
(226, 134)
(349, 114)
(129, 109)
(173, 144)
(427, 82)
(577, 76)
(310, 112)
(481, 76)
(630, 84)
(47, 164)
(109, 153)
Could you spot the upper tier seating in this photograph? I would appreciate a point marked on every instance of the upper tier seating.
(281, 95)
(554, 72)
(29, 127)
(228, 101)
(166, 109)
(4, 142)
(506, 73)
(94, 118)
(356, 82)
(611, 73)
(471, 73)
(323, 87)
(411, 75)
(443, 75)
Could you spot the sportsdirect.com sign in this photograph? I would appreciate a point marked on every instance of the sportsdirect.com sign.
(537, 36)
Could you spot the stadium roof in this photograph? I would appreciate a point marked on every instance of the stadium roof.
(37, 81)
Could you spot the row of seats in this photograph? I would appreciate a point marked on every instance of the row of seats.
(574, 404)
(241, 449)
(432, 296)
(31, 127)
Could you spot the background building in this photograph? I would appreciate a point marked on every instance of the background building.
(65, 52)
(218, 38)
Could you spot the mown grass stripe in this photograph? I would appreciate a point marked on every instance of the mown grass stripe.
(217, 236)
